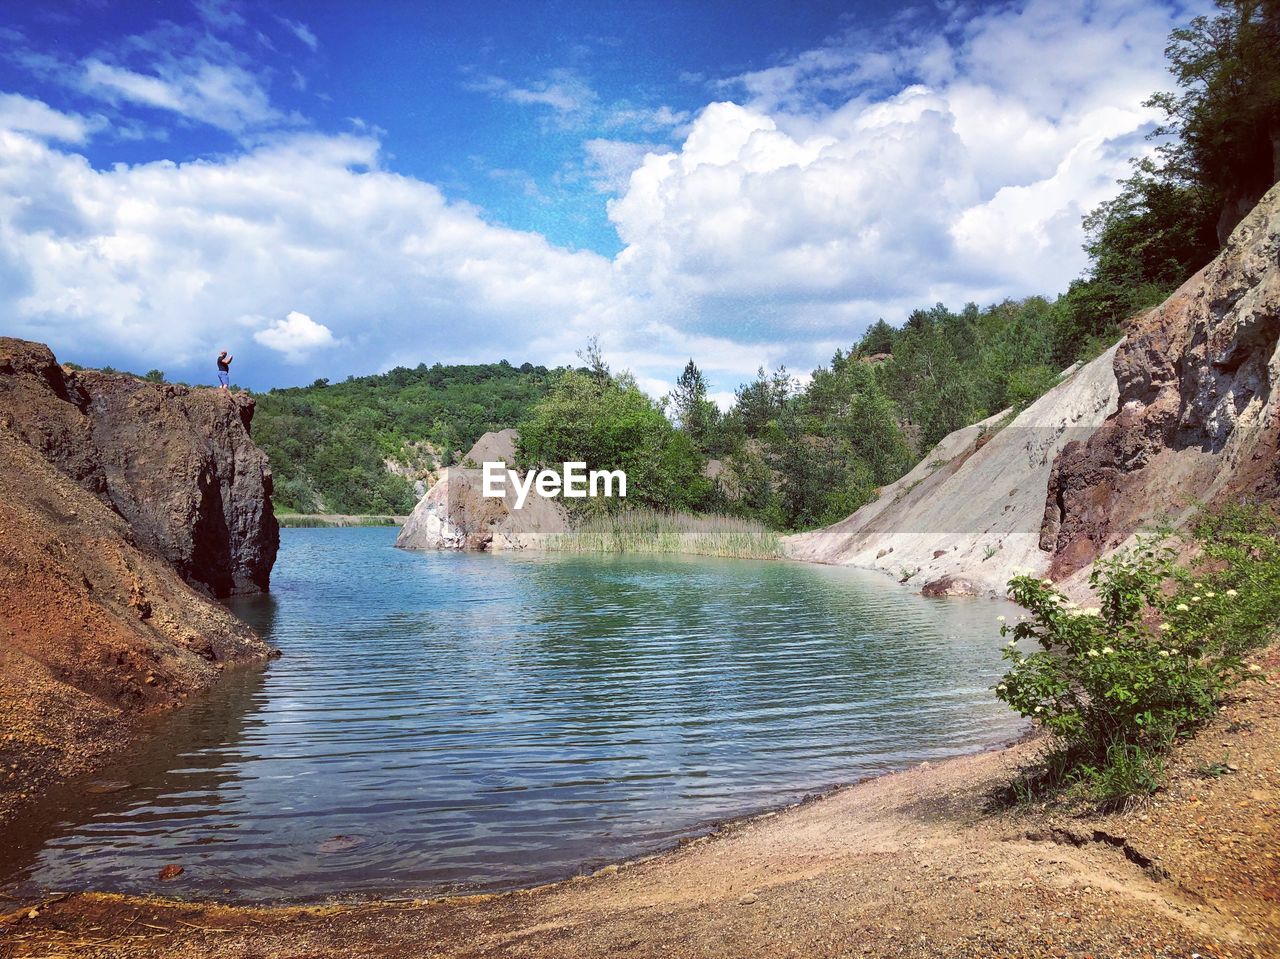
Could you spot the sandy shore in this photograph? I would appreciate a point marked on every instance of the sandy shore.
(921, 863)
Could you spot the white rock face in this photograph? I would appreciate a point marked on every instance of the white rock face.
(454, 515)
(970, 513)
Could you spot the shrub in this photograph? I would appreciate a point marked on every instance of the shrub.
(1116, 685)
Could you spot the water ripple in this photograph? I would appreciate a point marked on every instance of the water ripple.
(444, 721)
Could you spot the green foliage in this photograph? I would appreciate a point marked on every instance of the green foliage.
(1225, 121)
(1117, 684)
(328, 442)
(610, 423)
(154, 376)
(1219, 152)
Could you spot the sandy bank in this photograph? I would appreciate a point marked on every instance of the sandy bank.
(915, 864)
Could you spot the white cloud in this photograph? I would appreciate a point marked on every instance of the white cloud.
(25, 115)
(221, 95)
(297, 336)
(303, 33)
(563, 90)
(835, 194)
(156, 261)
(850, 182)
(610, 163)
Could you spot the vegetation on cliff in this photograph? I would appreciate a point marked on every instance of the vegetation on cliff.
(329, 443)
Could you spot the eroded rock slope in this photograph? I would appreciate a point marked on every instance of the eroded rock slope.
(1199, 411)
(455, 515)
(970, 513)
(178, 464)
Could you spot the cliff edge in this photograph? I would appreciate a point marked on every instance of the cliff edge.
(176, 463)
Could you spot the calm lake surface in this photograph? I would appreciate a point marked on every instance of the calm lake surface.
(448, 721)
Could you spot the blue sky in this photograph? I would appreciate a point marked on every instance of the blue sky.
(329, 188)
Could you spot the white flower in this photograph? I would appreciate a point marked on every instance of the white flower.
(1199, 585)
(1165, 627)
(1011, 643)
(1093, 654)
(1164, 654)
(1182, 607)
(1232, 592)
(1091, 611)
(1001, 688)
(1175, 651)
(1039, 709)
(1195, 599)
(1255, 668)
(1000, 619)
(1047, 582)
(1210, 595)
(1108, 650)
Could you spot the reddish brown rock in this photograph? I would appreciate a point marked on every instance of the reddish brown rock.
(1199, 413)
(177, 463)
(95, 631)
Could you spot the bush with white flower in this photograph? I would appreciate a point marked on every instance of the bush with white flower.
(1116, 684)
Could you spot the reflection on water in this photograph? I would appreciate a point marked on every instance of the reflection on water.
(442, 721)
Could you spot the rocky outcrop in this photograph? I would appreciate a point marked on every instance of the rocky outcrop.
(1199, 412)
(455, 515)
(970, 513)
(96, 626)
(176, 463)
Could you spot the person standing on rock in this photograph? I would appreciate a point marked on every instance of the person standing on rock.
(224, 370)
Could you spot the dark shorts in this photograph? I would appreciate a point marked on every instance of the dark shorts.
(224, 378)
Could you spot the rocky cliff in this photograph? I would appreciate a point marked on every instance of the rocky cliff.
(1185, 409)
(970, 513)
(1199, 410)
(97, 627)
(176, 463)
(454, 514)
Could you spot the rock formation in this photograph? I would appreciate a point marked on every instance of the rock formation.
(97, 627)
(455, 515)
(176, 463)
(969, 514)
(1199, 411)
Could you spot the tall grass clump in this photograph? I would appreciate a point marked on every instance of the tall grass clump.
(1116, 685)
(320, 521)
(644, 530)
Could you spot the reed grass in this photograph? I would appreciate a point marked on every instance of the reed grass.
(322, 521)
(653, 531)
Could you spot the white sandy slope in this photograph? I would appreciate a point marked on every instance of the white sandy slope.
(977, 499)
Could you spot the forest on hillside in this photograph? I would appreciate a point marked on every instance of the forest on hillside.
(799, 456)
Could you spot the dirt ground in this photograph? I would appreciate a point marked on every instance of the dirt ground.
(920, 863)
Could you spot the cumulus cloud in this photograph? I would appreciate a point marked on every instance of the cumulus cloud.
(832, 194)
(861, 179)
(160, 261)
(297, 336)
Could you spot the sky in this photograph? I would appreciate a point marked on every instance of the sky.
(327, 188)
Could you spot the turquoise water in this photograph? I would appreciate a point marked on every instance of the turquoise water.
(450, 721)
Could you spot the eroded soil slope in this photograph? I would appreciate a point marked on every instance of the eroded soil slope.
(95, 630)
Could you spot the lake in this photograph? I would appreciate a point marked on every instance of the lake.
(447, 721)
